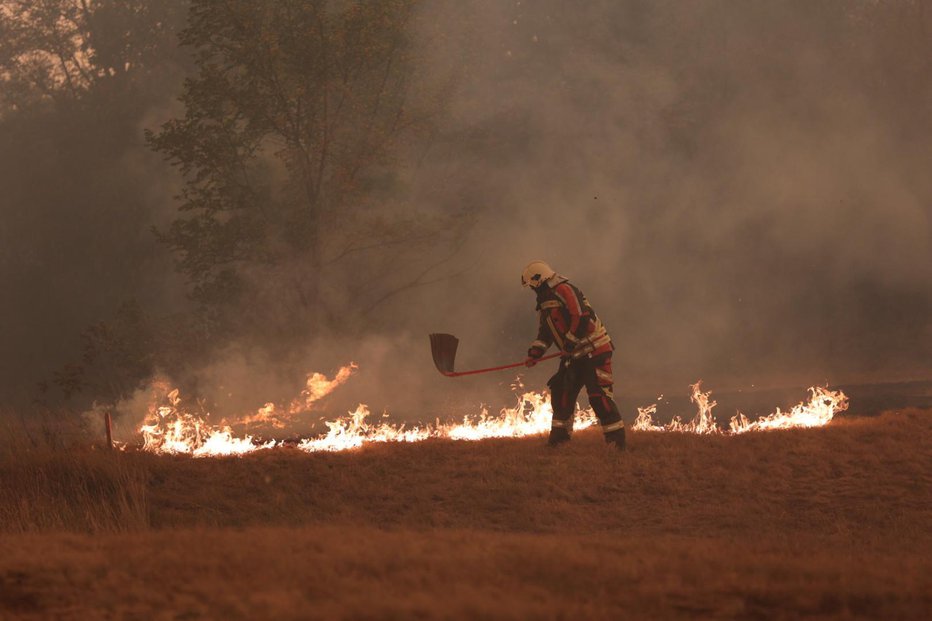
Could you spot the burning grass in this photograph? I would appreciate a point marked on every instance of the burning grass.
(830, 522)
(171, 427)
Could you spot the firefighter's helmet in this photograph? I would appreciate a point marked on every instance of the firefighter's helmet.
(536, 273)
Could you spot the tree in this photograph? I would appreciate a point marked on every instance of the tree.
(62, 51)
(287, 143)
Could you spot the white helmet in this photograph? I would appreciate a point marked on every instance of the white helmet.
(536, 273)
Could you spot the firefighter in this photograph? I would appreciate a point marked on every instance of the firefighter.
(569, 322)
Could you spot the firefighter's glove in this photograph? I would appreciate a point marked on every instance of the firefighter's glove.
(575, 347)
(534, 354)
(571, 344)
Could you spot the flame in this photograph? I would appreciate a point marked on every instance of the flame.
(531, 416)
(353, 431)
(703, 423)
(266, 415)
(170, 428)
(819, 410)
(645, 419)
(316, 388)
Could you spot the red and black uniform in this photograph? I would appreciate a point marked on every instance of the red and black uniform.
(568, 321)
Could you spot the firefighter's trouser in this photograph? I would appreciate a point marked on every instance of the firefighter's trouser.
(596, 375)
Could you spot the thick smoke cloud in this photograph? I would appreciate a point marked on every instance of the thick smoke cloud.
(740, 189)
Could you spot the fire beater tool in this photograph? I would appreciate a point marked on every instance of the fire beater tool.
(443, 348)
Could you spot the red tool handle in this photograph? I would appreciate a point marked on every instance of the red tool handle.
(507, 366)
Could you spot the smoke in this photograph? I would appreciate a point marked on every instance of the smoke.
(740, 189)
(736, 188)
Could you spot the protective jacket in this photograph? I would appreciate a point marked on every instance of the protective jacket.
(568, 320)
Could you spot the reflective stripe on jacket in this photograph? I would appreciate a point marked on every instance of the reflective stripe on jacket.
(566, 315)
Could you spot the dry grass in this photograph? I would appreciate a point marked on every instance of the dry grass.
(51, 484)
(83, 492)
(826, 523)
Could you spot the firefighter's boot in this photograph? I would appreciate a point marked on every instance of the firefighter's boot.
(558, 436)
(616, 437)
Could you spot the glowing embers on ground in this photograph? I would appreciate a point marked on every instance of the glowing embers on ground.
(170, 428)
(819, 410)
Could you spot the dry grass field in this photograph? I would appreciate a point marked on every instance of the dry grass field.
(827, 523)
